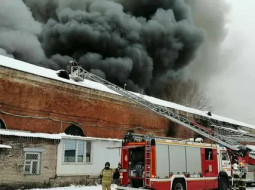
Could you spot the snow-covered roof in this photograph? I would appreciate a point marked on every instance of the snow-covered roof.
(17, 133)
(252, 147)
(51, 74)
(5, 146)
(65, 136)
(195, 111)
(47, 73)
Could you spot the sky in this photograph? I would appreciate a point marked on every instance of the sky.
(231, 90)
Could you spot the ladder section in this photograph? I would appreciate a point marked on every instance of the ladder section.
(147, 163)
(78, 73)
(237, 135)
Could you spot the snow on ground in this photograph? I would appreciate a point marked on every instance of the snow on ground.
(72, 187)
(98, 187)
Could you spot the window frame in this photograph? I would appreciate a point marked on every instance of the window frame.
(88, 153)
(225, 155)
(209, 154)
(77, 141)
(38, 169)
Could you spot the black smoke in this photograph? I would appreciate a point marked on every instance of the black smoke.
(139, 43)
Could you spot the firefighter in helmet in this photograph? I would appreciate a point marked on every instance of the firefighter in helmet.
(236, 176)
(242, 184)
(116, 175)
(106, 176)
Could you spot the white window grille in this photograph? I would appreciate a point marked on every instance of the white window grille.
(32, 163)
(74, 151)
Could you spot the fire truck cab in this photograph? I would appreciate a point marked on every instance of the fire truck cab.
(165, 164)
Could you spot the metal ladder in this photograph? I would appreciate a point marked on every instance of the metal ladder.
(147, 164)
(79, 74)
(240, 136)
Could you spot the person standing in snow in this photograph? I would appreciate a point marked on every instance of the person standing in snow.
(106, 176)
(116, 175)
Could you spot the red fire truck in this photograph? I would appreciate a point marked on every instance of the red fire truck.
(165, 164)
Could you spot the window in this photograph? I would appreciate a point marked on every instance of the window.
(74, 151)
(88, 151)
(208, 154)
(2, 125)
(32, 163)
(74, 130)
(224, 156)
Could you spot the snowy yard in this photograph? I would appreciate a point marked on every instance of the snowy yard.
(95, 188)
(98, 187)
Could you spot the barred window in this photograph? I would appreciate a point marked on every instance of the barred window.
(74, 151)
(32, 163)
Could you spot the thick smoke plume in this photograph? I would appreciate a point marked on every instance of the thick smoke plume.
(210, 58)
(19, 32)
(139, 43)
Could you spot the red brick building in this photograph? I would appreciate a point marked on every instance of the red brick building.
(31, 102)
(35, 99)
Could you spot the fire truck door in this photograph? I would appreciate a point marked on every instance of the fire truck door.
(209, 162)
(125, 166)
(209, 167)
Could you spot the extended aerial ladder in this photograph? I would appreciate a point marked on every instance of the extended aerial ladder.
(227, 139)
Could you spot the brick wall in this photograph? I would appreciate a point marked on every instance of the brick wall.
(12, 162)
(58, 104)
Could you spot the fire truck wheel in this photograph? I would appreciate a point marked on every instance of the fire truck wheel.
(223, 183)
(179, 185)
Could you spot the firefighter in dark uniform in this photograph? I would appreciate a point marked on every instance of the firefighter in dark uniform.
(239, 176)
(106, 176)
(236, 177)
(116, 175)
(242, 184)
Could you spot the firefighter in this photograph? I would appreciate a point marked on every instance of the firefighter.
(242, 184)
(106, 176)
(236, 177)
(116, 175)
